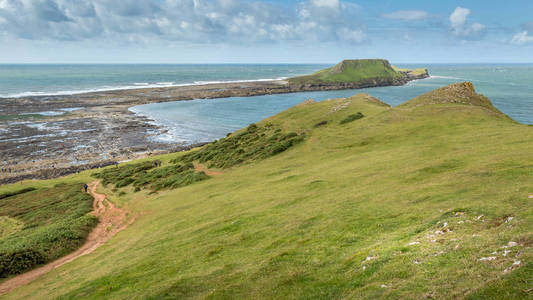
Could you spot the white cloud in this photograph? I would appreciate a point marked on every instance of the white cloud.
(334, 4)
(458, 17)
(460, 25)
(351, 35)
(522, 38)
(407, 15)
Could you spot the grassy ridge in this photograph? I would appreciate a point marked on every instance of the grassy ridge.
(431, 199)
(41, 225)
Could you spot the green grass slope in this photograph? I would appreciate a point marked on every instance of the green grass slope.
(431, 199)
(358, 71)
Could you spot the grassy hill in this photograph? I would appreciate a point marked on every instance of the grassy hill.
(430, 199)
(360, 71)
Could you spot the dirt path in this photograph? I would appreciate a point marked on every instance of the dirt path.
(111, 221)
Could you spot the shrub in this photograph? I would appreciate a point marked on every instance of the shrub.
(321, 123)
(124, 182)
(352, 117)
(17, 261)
(252, 127)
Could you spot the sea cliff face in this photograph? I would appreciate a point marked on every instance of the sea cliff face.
(363, 83)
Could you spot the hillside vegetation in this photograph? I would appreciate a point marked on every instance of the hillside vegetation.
(253, 143)
(430, 199)
(38, 226)
(359, 71)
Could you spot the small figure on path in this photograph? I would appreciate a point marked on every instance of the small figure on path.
(85, 186)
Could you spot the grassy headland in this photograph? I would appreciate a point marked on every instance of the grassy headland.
(430, 199)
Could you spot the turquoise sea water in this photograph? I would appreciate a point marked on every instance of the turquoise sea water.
(509, 87)
(17, 80)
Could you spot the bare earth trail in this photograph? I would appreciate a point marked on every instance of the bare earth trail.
(111, 221)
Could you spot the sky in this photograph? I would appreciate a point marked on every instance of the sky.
(265, 31)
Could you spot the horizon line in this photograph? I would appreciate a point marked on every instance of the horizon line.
(235, 63)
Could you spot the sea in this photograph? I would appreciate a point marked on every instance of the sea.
(508, 86)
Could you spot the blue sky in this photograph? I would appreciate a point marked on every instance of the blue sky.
(264, 31)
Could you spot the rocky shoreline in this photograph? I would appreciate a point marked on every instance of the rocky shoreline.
(49, 136)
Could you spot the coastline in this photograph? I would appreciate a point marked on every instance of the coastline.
(97, 128)
(135, 86)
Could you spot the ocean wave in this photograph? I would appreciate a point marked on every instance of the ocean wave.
(445, 77)
(50, 113)
(133, 86)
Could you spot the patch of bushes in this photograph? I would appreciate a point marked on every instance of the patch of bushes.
(352, 118)
(56, 222)
(121, 176)
(321, 123)
(254, 143)
(14, 193)
(146, 175)
(14, 262)
(180, 180)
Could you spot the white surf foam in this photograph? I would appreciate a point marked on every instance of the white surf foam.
(136, 85)
(445, 77)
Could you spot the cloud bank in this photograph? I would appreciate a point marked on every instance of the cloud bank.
(197, 21)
